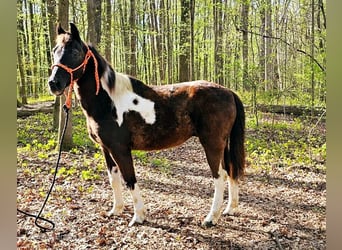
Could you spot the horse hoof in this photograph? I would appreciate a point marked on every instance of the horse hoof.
(135, 221)
(115, 211)
(230, 212)
(207, 224)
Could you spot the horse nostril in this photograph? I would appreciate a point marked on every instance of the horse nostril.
(53, 83)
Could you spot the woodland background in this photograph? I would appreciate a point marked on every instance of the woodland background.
(271, 52)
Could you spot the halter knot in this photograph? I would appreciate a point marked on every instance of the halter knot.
(71, 71)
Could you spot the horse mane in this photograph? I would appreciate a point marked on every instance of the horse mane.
(106, 71)
(108, 75)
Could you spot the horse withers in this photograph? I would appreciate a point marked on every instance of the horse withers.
(123, 114)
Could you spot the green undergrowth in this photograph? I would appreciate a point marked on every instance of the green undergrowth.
(289, 143)
(276, 141)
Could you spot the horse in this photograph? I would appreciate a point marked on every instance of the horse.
(124, 114)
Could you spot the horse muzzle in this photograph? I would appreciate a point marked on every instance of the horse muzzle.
(56, 87)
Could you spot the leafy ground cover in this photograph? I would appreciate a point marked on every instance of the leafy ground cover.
(282, 197)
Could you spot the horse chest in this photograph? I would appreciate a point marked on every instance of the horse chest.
(93, 127)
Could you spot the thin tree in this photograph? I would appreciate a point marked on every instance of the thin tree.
(51, 12)
(218, 41)
(312, 54)
(94, 21)
(244, 24)
(108, 34)
(21, 67)
(184, 42)
(63, 18)
(133, 39)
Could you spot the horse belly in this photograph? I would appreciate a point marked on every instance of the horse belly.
(156, 138)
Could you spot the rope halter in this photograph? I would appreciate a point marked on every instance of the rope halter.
(71, 71)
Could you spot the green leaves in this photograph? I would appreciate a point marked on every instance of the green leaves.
(285, 143)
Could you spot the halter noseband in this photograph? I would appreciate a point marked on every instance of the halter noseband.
(71, 71)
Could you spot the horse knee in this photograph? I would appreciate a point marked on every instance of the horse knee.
(130, 182)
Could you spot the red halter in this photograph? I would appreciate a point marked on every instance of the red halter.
(70, 71)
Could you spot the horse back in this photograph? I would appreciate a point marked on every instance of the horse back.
(182, 110)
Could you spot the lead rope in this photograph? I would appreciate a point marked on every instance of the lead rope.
(66, 109)
(38, 216)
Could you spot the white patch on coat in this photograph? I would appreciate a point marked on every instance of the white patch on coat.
(139, 207)
(58, 51)
(115, 181)
(126, 100)
(215, 209)
(57, 55)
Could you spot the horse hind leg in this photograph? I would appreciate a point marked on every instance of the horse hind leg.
(233, 200)
(233, 186)
(115, 181)
(214, 158)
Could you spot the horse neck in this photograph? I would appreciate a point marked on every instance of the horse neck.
(88, 79)
(86, 90)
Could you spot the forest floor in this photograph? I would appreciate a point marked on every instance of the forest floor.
(282, 197)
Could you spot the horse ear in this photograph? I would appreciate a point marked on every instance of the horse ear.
(74, 32)
(59, 29)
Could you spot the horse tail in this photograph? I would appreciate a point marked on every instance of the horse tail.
(234, 154)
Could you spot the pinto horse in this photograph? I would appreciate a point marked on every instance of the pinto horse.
(124, 114)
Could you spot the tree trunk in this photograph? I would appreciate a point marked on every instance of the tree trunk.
(21, 66)
(154, 45)
(244, 24)
(19, 104)
(218, 42)
(124, 33)
(262, 52)
(268, 47)
(169, 44)
(22, 89)
(51, 11)
(32, 50)
(184, 43)
(192, 40)
(133, 40)
(63, 17)
(108, 33)
(94, 21)
(312, 54)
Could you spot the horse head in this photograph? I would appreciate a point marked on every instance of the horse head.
(69, 57)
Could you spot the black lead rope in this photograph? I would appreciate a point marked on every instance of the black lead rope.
(38, 217)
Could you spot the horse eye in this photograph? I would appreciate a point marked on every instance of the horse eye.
(74, 52)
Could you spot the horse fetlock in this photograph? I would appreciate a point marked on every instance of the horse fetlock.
(231, 208)
(138, 218)
(229, 211)
(211, 219)
(116, 210)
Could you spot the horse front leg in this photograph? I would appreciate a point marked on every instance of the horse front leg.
(115, 181)
(124, 160)
(139, 207)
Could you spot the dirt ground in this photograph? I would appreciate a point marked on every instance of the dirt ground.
(282, 208)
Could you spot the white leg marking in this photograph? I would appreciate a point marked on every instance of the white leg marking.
(115, 181)
(233, 197)
(215, 210)
(126, 100)
(139, 207)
